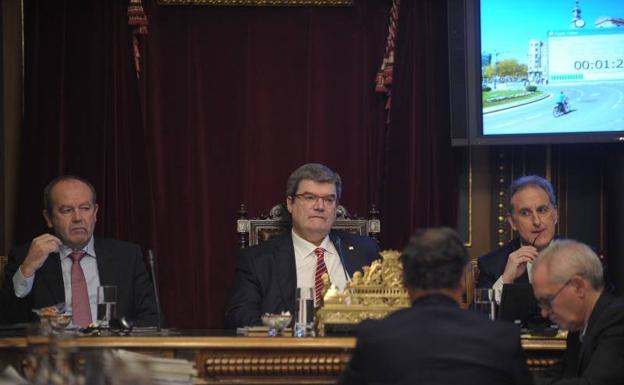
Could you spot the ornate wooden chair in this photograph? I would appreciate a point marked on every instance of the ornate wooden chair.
(252, 231)
(3, 263)
(471, 276)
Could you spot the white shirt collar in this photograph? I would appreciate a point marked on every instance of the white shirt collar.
(89, 249)
(305, 248)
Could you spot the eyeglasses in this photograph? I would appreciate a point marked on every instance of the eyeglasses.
(546, 303)
(541, 211)
(310, 199)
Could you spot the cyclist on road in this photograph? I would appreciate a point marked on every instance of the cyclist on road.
(561, 101)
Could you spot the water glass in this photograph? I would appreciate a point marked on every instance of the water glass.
(484, 302)
(304, 314)
(106, 304)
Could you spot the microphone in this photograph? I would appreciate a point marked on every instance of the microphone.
(150, 261)
(342, 260)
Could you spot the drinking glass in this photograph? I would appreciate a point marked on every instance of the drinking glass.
(106, 304)
(304, 314)
(485, 303)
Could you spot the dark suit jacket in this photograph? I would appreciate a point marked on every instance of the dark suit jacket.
(266, 276)
(436, 342)
(119, 263)
(492, 265)
(599, 359)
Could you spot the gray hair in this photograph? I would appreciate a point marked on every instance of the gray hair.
(566, 257)
(316, 172)
(530, 181)
(47, 191)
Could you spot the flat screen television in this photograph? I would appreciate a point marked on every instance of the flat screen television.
(536, 71)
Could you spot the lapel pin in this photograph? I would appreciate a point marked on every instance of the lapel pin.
(351, 248)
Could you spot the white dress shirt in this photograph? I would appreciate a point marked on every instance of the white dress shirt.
(305, 262)
(23, 285)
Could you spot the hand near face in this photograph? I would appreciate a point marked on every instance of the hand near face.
(39, 250)
(517, 263)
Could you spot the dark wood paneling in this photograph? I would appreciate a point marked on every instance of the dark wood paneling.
(588, 180)
(614, 214)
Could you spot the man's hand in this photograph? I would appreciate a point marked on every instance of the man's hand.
(517, 263)
(38, 252)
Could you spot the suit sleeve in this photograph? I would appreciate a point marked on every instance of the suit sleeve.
(244, 307)
(607, 360)
(486, 276)
(12, 308)
(354, 372)
(521, 373)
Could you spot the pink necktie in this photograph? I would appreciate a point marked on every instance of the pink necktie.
(318, 273)
(81, 310)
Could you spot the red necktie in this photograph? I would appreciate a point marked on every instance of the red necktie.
(81, 310)
(318, 273)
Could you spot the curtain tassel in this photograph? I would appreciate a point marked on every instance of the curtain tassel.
(137, 19)
(383, 80)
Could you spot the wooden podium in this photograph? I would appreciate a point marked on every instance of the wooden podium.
(248, 360)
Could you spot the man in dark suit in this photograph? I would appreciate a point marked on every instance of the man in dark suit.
(70, 264)
(532, 212)
(569, 287)
(435, 341)
(268, 274)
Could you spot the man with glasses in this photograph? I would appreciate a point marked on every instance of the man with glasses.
(268, 274)
(532, 212)
(569, 288)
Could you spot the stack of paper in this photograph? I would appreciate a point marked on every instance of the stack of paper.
(162, 371)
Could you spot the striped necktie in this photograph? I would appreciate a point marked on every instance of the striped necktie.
(318, 274)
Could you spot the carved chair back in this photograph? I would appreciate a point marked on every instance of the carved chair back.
(253, 231)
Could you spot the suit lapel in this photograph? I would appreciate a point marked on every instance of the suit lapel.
(106, 270)
(588, 340)
(284, 259)
(348, 252)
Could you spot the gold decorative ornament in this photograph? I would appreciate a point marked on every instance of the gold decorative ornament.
(373, 293)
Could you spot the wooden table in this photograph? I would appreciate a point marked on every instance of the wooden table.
(248, 360)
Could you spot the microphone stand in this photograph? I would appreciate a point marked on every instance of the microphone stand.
(150, 261)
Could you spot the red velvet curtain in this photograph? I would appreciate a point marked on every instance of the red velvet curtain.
(82, 115)
(230, 101)
(419, 178)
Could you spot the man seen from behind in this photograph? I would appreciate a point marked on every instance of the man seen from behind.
(435, 341)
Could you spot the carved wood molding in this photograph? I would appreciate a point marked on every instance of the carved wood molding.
(248, 360)
(501, 183)
(536, 364)
(275, 363)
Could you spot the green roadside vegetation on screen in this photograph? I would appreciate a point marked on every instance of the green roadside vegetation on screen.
(508, 93)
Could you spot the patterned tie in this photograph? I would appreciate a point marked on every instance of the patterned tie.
(318, 273)
(80, 297)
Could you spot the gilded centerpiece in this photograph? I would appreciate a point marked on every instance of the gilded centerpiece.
(373, 293)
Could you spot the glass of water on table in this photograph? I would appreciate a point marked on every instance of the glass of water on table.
(106, 304)
(484, 302)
